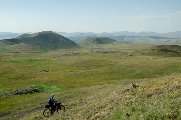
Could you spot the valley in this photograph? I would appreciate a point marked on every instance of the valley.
(93, 81)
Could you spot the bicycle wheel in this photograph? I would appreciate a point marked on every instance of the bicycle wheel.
(62, 108)
(47, 112)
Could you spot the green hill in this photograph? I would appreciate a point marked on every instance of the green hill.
(97, 40)
(46, 40)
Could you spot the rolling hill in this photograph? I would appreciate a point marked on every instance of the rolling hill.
(97, 40)
(46, 40)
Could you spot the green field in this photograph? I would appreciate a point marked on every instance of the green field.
(94, 82)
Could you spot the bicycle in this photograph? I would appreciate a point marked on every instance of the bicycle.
(48, 109)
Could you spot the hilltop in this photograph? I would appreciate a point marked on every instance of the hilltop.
(46, 40)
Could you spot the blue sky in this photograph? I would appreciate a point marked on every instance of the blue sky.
(90, 15)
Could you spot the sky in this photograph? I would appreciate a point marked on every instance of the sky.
(90, 15)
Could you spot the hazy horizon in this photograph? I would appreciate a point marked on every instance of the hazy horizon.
(6, 32)
(19, 16)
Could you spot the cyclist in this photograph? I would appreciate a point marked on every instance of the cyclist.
(51, 102)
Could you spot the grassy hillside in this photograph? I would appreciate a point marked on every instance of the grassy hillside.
(92, 85)
(153, 99)
(46, 40)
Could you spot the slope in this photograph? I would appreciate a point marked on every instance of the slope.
(152, 99)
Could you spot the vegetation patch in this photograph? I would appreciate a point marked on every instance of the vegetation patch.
(20, 92)
(32, 90)
(2, 90)
(46, 88)
(167, 50)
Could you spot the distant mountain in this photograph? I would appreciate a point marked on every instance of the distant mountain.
(77, 36)
(97, 40)
(125, 35)
(8, 35)
(176, 34)
(46, 40)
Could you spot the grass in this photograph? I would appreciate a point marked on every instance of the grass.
(158, 99)
(91, 84)
(90, 69)
(45, 88)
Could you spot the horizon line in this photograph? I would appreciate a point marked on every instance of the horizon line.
(93, 32)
